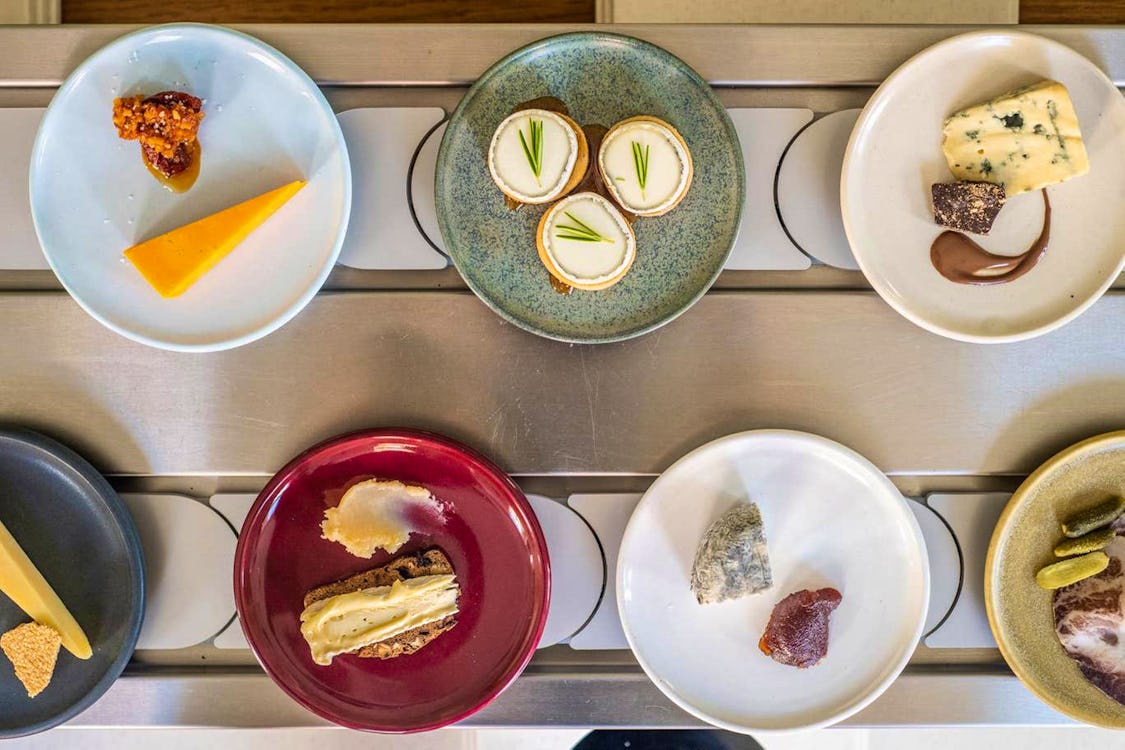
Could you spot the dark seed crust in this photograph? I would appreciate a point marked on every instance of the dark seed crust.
(967, 206)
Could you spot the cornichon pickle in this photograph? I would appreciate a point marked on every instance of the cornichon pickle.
(1072, 570)
(1095, 540)
(1090, 519)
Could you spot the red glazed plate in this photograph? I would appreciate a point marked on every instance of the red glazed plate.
(487, 529)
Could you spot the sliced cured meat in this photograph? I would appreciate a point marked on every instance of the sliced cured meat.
(1119, 524)
(732, 560)
(1090, 622)
(797, 633)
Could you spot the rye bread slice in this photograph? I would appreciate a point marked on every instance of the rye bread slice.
(427, 562)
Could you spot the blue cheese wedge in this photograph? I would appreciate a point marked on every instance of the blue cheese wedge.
(732, 560)
(1024, 140)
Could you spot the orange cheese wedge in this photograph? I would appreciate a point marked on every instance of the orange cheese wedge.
(174, 261)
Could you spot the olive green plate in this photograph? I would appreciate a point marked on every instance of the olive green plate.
(602, 78)
(1019, 612)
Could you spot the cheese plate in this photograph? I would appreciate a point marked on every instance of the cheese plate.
(1064, 648)
(79, 537)
(830, 519)
(264, 124)
(485, 527)
(604, 81)
(895, 156)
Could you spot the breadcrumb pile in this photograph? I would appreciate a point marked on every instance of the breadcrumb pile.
(33, 650)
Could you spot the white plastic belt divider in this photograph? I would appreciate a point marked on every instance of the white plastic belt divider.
(972, 516)
(381, 147)
(422, 189)
(385, 143)
(764, 135)
(945, 565)
(808, 183)
(189, 556)
(19, 245)
(607, 514)
(233, 507)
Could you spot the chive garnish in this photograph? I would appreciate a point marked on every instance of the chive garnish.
(534, 151)
(640, 163)
(580, 231)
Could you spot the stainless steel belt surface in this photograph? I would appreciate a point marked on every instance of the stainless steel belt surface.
(806, 345)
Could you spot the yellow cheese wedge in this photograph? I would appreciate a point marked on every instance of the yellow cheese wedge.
(174, 261)
(25, 585)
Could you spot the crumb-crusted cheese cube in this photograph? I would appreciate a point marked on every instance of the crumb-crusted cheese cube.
(1024, 140)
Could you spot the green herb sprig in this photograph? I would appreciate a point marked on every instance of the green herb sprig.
(534, 151)
(580, 231)
(640, 163)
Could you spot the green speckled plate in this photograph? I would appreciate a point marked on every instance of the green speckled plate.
(1020, 613)
(602, 78)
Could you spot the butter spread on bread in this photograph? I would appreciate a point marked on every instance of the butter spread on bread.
(347, 622)
(423, 611)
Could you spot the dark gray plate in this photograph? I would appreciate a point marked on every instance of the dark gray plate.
(76, 530)
(602, 78)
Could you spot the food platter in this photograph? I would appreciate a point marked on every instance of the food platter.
(831, 519)
(265, 124)
(895, 154)
(77, 532)
(1020, 612)
(602, 79)
(487, 530)
(563, 419)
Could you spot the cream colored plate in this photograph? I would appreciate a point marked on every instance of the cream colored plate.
(1020, 612)
(894, 155)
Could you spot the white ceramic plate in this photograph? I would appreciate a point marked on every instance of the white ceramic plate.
(266, 123)
(894, 155)
(831, 519)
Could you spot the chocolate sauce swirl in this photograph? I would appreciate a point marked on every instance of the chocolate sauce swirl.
(961, 260)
